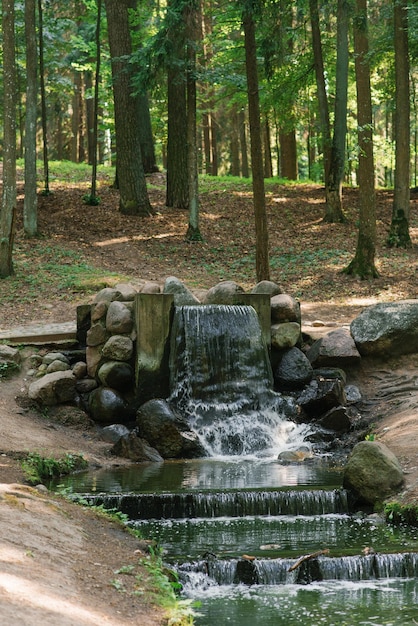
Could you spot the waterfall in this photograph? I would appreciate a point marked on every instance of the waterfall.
(232, 504)
(221, 380)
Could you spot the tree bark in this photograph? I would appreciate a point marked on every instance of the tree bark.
(320, 86)
(259, 200)
(193, 231)
(8, 205)
(399, 229)
(177, 193)
(333, 191)
(131, 178)
(30, 203)
(363, 264)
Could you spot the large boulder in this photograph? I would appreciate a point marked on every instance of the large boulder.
(321, 395)
(182, 295)
(267, 286)
(285, 308)
(119, 318)
(108, 406)
(372, 472)
(117, 375)
(336, 349)
(387, 329)
(129, 446)
(54, 388)
(285, 335)
(166, 431)
(294, 371)
(224, 292)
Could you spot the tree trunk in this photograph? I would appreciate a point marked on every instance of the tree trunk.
(261, 231)
(320, 86)
(131, 178)
(146, 137)
(93, 200)
(193, 231)
(333, 191)
(30, 203)
(268, 164)
(235, 169)
(43, 99)
(177, 193)
(8, 205)
(363, 264)
(399, 229)
(245, 170)
(288, 155)
(75, 119)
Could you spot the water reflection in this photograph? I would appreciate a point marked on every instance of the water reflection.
(203, 474)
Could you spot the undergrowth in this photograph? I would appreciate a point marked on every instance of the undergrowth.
(38, 468)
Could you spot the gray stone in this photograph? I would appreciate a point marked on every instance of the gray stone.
(321, 396)
(336, 348)
(98, 311)
(166, 431)
(353, 394)
(86, 385)
(119, 319)
(224, 292)
(108, 294)
(79, 369)
(93, 358)
(127, 291)
(9, 354)
(97, 334)
(285, 335)
(387, 329)
(336, 419)
(294, 371)
(112, 433)
(57, 366)
(116, 374)
(372, 472)
(267, 286)
(151, 287)
(118, 348)
(182, 295)
(285, 308)
(54, 388)
(136, 449)
(50, 357)
(107, 406)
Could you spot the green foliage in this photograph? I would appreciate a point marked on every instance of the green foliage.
(38, 468)
(7, 369)
(396, 513)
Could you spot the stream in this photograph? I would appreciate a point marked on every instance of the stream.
(234, 528)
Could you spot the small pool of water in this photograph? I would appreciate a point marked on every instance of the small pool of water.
(203, 474)
(331, 603)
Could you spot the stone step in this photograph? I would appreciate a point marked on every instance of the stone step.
(40, 334)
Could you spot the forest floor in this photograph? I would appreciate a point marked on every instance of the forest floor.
(62, 564)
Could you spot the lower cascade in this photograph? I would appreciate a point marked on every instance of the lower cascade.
(221, 379)
(252, 540)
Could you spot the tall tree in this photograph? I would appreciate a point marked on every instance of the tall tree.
(43, 99)
(363, 264)
(399, 229)
(193, 231)
(8, 205)
(92, 199)
(259, 199)
(131, 177)
(30, 203)
(334, 210)
(320, 86)
(177, 192)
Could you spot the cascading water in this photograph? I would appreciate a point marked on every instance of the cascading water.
(221, 380)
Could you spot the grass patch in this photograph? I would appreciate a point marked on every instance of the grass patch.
(398, 514)
(65, 269)
(38, 468)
